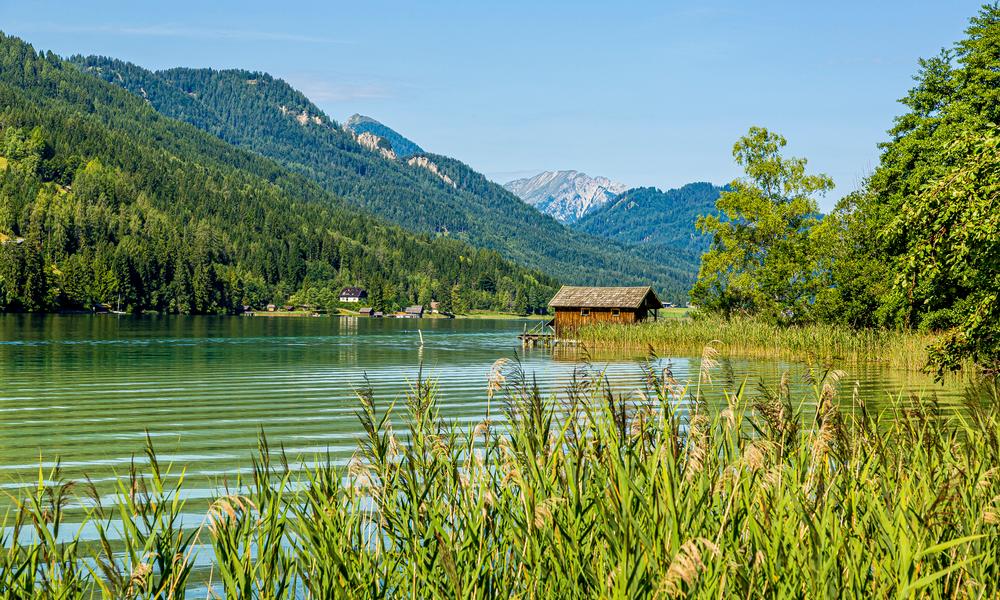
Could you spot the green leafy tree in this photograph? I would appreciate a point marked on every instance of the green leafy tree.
(75, 275)
(927, 216)
(762, 260)
(377, 293)
(444, 298)
(459, 303)
(856, 280)
(521, 305)
(952, 233)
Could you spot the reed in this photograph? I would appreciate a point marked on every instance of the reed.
(589, 495)
(752, 338)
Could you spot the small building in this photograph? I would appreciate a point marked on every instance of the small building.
(271, 308)
(378, 314)
(578, 306)
(367, 312)
(353, 294)
(435, 306)
(414, 312)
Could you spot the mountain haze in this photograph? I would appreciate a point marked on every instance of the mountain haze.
(565, 195)
(423, 192)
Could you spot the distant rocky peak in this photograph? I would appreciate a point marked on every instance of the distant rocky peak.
(356, 120)
(402, 146)
(376, 144)
(566, 195)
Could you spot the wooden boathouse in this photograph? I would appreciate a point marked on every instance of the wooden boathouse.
(578, 306)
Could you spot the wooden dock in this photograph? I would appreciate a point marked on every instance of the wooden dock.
(533, 340)
(541, 335)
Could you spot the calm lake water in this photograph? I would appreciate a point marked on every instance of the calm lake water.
(83, 389)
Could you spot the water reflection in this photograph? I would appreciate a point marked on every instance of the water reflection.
(84, 389)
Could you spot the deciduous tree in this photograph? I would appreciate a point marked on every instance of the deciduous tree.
(762, 260)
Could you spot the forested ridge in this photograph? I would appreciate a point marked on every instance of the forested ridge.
(650, 217)
(258, 112)
(102, 199)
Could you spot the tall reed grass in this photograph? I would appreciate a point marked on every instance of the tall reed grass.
(752, 338)
(590, 495)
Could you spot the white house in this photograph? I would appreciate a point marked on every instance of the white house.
(353, 294)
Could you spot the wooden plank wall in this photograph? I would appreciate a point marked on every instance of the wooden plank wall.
(568, 319)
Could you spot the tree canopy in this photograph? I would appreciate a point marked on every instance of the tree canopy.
(932, 201)
(917, 247)
(763, 251)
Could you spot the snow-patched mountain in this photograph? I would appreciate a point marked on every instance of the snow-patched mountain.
(566, 195)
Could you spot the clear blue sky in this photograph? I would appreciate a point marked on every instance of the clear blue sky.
(648, 93)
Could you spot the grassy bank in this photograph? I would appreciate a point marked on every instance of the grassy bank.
(658, 496)
(756, 339)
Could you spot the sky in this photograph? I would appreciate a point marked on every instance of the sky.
(646, 93)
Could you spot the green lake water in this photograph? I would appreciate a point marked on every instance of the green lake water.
(84, 389)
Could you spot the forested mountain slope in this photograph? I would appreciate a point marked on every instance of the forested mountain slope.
(103, 199)
(255, 111)
(649, 216)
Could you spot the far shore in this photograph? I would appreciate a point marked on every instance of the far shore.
(349, 313)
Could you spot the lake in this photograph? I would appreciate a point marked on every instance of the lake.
(84, 389)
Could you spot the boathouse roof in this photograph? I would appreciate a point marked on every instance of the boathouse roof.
(605, 297)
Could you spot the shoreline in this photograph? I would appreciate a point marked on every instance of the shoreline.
(750, 338)
(484, 315)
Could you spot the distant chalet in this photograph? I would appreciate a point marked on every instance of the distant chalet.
(578, 306)
(353, 294)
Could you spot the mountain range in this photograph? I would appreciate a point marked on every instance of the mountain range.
(104, 199)
(565, 195)
(656, 221)
(275, 199)
(421, 192)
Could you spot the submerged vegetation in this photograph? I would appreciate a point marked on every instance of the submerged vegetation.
(757, 338)
(660, 493)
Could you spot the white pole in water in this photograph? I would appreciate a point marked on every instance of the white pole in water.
(421, 337)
